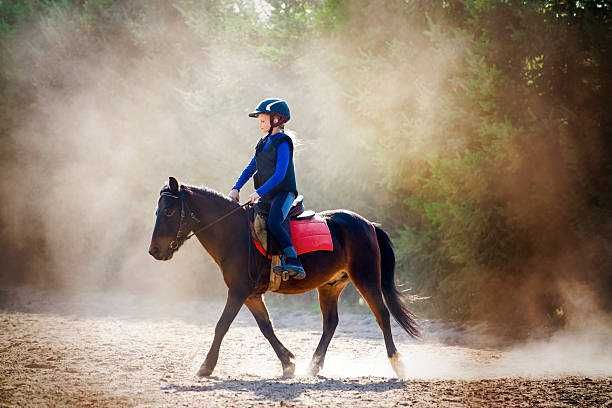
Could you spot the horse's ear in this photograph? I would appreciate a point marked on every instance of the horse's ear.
(173, 184)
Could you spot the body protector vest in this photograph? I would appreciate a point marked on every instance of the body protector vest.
(266, 164)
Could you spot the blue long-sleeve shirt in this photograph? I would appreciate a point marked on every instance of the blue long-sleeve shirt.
(282, 162)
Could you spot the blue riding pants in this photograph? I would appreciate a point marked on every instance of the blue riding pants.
(278, 224)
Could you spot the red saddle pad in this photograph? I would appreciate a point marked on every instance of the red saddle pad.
(307, 235)
(310, 235)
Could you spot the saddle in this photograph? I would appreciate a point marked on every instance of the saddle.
(264, 241)
(297, 210)
(309, 232)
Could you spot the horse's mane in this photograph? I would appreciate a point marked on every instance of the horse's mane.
(202, 190)
(209, 193)
(205, 193)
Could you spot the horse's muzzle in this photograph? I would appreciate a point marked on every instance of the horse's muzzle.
(155, 252)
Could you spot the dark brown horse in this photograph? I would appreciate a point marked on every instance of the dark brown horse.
(362, 254)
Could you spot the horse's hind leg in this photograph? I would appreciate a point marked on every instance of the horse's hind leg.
(365, 275)
(328, 300)
(258, 308)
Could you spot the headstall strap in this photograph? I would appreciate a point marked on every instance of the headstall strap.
(180, 236)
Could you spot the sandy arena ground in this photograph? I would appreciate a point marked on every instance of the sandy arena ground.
(107, 350)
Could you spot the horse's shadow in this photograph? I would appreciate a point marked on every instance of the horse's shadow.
(278, 389)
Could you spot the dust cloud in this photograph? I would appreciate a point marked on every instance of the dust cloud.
(104, 325)
(108, 120)
(99, 120)
(102, 119)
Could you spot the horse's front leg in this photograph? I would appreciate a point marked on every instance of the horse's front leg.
(257, 306)
(232, 307)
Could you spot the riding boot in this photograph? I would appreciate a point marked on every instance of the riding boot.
(291, 264)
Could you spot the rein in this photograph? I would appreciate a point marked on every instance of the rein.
(217, 220)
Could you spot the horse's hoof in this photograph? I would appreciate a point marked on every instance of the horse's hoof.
(289, 370)
(398, 366)
(205, 371)
(314, 369)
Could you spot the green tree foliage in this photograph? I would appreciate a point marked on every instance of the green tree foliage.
(519, 195)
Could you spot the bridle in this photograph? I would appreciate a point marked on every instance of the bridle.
(181, 234)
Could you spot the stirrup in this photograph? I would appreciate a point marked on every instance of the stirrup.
(298, 274)
(284, 274)
(289, 271)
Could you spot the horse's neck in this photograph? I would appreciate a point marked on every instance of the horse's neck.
(220, 239)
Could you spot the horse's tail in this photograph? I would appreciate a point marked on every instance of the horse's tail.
(393, 297)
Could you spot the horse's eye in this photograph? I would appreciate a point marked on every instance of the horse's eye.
(169, 212)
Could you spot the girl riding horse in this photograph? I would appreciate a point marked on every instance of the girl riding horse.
(274, 178)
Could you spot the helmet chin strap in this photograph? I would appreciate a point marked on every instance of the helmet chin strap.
(274, 123)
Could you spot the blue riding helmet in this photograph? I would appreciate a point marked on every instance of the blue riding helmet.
(273, 106)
